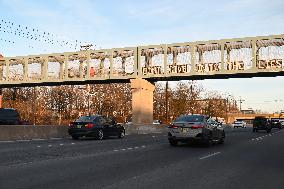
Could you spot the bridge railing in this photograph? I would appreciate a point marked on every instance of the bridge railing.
(201, 58)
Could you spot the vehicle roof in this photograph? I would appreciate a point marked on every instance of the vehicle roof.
(8, 113)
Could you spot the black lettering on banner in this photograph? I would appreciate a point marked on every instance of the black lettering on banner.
(241, 65)
(151, 70)
(236, 65)
(269, 64)
(178, 68)
(172, 69)
(278, 63)
(200, 68)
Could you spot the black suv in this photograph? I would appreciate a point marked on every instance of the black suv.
(9, 116)
(261, 123)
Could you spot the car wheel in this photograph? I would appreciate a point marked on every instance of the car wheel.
(222, 140)
(173, 142)
(207, 141)
(101, 134)
(75, 137)
(121, 134)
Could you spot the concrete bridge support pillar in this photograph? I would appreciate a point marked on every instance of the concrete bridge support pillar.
(142, 101)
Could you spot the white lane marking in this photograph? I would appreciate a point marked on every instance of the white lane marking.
(144, 133)
(23, 140)
(50, 145)
(210, 155)
(38, 146)
(252, 139)
(55, 138)
(153, 136)
(130, 148)
(38, 139)
(61, 144)
(72, 143)
(257, 139)
(7, 141)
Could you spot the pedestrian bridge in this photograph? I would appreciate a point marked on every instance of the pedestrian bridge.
(240, 57)
(250, 117)
(143, 65)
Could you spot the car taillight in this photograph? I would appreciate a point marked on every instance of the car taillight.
(173, 126)
(89, 125)
(197, 126)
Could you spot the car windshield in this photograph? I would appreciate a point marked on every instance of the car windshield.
(275, 120)
(260, 119)
(190, 118)
(86, 119)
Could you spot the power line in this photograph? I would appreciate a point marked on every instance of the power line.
(37, 35)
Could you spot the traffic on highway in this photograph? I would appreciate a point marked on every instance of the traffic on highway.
(147, 160)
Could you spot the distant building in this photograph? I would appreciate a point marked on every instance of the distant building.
(248, 111)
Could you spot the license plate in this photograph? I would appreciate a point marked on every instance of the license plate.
(79, 126)
(184, 130)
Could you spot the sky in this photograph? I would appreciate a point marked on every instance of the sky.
(127, 23)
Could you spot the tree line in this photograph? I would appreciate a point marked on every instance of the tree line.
(60, 105)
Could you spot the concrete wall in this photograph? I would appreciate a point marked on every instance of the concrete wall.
(142, 129)
(24, 132)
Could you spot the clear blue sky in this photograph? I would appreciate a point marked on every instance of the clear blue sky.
(124, 23)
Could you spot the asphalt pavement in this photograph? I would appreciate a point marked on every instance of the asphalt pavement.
(246, 160)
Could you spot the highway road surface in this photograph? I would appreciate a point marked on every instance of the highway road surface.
(246, 160)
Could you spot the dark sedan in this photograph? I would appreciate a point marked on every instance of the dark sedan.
(275, 123)
(95, 126)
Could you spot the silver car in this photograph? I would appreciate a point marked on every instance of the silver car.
(189, 128)
(237, 124)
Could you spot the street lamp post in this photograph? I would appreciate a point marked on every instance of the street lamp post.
(241, 101)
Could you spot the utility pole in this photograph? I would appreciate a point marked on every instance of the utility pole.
(192, 100)
(166, 97)
(88, 90)
(1, 96)
(241, 101)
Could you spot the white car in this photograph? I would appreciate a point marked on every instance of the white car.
(239, 124)
(157, 122)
